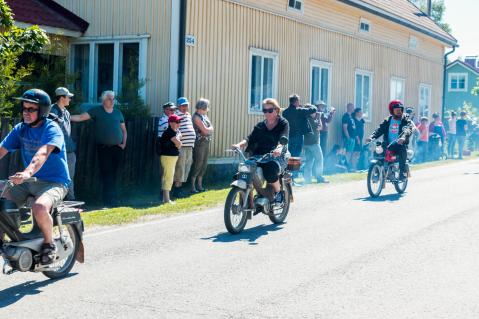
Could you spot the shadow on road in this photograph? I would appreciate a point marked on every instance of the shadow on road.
(249, 235)
(385, 198)
(13, 294)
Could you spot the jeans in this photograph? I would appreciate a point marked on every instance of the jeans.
(109, 159)
(451, 145)
(323, 141)
(313, 162)
(422, 148)
(461, 140)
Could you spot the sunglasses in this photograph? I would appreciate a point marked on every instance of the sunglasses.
(268, 110)
(29, 109)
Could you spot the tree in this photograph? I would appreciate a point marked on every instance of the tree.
(14, 41)
(437, 12)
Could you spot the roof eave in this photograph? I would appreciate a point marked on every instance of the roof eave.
(384, 14)
(52, 30)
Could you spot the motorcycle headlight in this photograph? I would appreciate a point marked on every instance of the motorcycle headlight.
(243, 168)
(379, 149)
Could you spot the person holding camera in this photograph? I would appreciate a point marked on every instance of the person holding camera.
(326, 118)
(312, 150)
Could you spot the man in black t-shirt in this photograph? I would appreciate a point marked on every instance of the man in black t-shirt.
(348, 131)
(461, 132)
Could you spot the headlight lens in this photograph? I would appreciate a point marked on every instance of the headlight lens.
(243, 168)
(379, 149)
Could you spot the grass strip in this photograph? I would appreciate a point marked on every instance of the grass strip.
(201, 201)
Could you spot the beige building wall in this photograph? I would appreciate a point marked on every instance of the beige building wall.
(218, 67)
(113, 18)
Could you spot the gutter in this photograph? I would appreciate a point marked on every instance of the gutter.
(444, 81)
(386, 15)
(181, 53)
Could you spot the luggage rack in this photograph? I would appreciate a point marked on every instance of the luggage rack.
(70, 203)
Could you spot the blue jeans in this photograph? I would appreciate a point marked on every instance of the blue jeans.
(313, 156)
(451, 145)
(461, 140)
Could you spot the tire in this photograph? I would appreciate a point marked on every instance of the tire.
(235, 220)
(280, 217)
(70, 261)
(400, 187)
(375, 177)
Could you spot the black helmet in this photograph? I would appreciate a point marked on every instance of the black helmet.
(39, 97)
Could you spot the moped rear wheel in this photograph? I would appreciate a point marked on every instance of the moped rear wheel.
(278, 215)
(65, 265)
(375, 180)
(234, 215)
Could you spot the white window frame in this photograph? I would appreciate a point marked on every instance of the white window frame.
(321, 65)
(396, 79)
(263, 54)
(142, 40)
(294, 9)
(449, 82)
(367, 116)
(420, 110)
(413, 42)
(365, 21)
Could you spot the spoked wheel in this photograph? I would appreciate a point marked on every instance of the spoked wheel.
(234, 214)
(401, 186)
(375, 180)
(278, 214)
(63, 267)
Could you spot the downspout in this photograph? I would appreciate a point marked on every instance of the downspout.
(181, 53)
(444, 82)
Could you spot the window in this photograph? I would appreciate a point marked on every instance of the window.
(457, 82)
(424, 99)
(397, 89)
(363, 92)
(413, 42)
(364, 26)
(108, 65)
(295, 5)
(263, 79)
(320, 82)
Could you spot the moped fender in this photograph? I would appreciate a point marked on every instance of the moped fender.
(374, 161)
(240, 184)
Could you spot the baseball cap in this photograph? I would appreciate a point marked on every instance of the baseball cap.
(61, 91)
(182, 101)
(174, 118)
(171, 105)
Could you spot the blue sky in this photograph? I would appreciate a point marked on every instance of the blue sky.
(463, 16)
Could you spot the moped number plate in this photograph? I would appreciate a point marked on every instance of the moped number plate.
(244, 176)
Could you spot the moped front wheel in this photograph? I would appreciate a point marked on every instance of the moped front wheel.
(234, 214)
(375, 180)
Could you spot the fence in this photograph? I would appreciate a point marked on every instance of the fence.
(139, 167)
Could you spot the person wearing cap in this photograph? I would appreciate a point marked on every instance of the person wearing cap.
(313, 155)
(461, 132)
(451, 134)
(169, 109)
(422, 140)
(326, 118)
(63, 118)
(110, 138)
(188, 138)
(170, 142)
(42, 147)
(204, 130)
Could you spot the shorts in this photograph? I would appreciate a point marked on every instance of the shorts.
(183, 165)
(55, 192)
(349, 144)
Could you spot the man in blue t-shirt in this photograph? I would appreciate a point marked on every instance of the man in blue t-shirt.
(42, 147)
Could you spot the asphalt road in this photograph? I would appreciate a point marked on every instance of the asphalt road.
(340, 255)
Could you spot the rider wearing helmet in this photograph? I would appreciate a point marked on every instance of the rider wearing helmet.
(42, 146)
(396, 131)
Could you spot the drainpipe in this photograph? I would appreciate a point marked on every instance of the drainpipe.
(181, 54)
(429, 8)
(444, 82)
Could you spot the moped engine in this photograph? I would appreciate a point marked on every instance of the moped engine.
(262, 204)
(21, 258)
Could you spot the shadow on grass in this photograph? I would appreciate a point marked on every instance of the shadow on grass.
(385, 198)
(14, 294)
(248, 235)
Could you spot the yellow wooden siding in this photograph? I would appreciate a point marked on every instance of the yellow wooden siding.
(218, 67)
(126, 17)
(338, 16)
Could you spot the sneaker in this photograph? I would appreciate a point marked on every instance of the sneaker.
(278, 198)
(48, 254)
(321, 179)
(402, 177)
